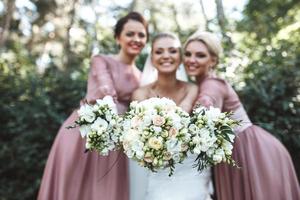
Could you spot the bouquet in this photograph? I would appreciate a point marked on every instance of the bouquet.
(212, 136)
(156, 133)
(100, 125)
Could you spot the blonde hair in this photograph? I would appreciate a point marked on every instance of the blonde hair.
(211, 41)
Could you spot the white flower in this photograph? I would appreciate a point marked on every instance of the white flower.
(87, 145)
(194, 129)
(157, 129)
(84, 130)
(126, 124)
(133, 104)
(146, 121)
(173, 145)
(217, 158)
(173, 132)
(107, 100)
(214, 113)
(131, 135)
(155, 142)
(129, 153)
(99, 125)
(176, 157)
(227, 146)
(158, 120)
(197, 149)
(86, 113)
(231, 137)
(176, 120)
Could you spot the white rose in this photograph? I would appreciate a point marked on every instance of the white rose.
(157, 129)
(213, 113)
(86, 113)
(173, 145)
(146, 121)
(176, 157)
(158, 120)
(196, 140)
(219, 155)
(99, 125)
(155, 143)
(129, 153)
(197, 149)
(131, 135)
(217, 158)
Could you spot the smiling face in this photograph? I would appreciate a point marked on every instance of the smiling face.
(197, 59)
(166, 55)
(132, 38)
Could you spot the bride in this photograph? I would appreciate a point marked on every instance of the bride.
(186, 183)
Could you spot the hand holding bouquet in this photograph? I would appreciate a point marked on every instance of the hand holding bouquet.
(212, 136)
(100, 125)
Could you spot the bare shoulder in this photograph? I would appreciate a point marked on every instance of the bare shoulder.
(193, 87)
(140, 93)
(190, 87)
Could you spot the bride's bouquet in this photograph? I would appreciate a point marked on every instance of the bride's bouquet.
(212, 136)
(156, 133)
(100, 125)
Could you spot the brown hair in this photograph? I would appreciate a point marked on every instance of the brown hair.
(130, 16)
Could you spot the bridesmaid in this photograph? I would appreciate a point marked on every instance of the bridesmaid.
(71, 174)
(267, 170)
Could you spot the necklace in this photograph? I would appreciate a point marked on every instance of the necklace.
(176, 94)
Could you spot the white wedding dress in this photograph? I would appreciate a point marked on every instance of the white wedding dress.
(185, 184)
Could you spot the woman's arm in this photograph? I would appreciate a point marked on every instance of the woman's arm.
(100, 81)
(189, 100)
(140, 94)
(212, 92)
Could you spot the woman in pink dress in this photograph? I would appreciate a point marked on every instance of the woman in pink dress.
(71, 174)
(267, 171)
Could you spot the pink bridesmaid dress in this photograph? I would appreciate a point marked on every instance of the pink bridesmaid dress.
(267, 171)
(71, 174)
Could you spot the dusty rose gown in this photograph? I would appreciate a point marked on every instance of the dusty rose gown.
(71, 174)
(267, 171)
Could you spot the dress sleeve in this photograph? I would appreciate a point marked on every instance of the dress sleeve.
(212, 92)
(100, 82)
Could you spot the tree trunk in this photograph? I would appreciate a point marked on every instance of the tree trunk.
(204, 16)
(6, 22)
(177, 26)
(223, 22)
(133, 6)
(66, 45)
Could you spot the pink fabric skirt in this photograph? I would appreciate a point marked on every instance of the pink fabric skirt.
(266, 170)
(71, 174)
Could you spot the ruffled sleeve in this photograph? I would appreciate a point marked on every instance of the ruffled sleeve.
(212, 92)
(100, 82)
